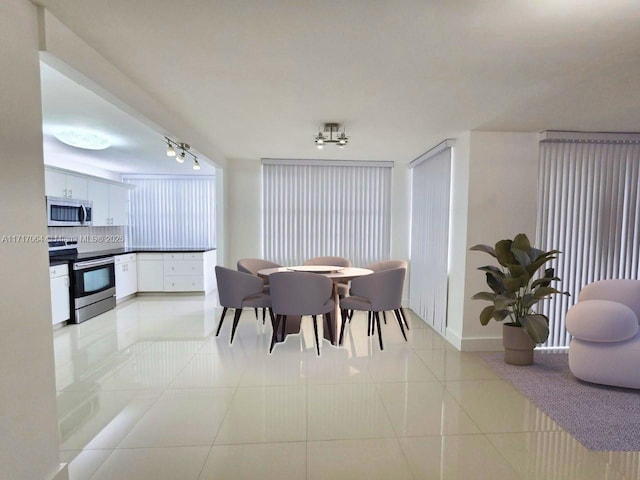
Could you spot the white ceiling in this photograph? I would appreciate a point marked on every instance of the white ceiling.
(136, 148)
(260, 77)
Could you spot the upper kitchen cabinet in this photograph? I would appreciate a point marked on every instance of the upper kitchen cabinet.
(65, 185)
(110, 203)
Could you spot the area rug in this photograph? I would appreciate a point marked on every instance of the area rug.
(601, 418)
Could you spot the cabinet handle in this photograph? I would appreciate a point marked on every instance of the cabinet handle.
(70, 193)
(64, 193)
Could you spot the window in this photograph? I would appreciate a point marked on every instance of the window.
(333, 208)
(171, 212)
(589, 209)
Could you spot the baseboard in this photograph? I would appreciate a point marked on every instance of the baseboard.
(62, 474)
(482, 344)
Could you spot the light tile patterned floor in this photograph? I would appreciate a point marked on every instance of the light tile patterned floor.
(147, 391)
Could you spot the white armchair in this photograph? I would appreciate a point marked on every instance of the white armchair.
(605, 347)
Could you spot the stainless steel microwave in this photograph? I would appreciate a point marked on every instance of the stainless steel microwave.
(68, 212)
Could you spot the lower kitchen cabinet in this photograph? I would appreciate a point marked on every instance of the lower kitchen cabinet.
(59, 281)
(177, 272)
(126, 275)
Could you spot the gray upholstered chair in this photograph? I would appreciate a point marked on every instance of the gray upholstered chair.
(297, 294)
(388, 265)
(253, 266)
(238, 290)
(378, 292)
(342, 286)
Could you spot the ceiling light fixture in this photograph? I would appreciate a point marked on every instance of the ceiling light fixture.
(86, 139)
(184, 148)
(321, 139)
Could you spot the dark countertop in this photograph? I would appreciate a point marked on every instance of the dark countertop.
(67, 258)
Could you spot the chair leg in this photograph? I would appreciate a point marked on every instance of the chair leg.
(224, 312)
(384, 316)
(315, 332)
(274, 333)
(404, 317)
(256, 310)
(236, 319)
(379, 329)
(273, 319)
(401, 323)
(344, 315)
(328, 318)
(264, 314)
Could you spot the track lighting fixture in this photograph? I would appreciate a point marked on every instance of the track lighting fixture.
(321, 139)
(183, 148)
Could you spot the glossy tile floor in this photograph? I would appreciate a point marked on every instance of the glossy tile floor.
(147, 391)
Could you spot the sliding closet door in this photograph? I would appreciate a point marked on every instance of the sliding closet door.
(430, 200)
(589, 209)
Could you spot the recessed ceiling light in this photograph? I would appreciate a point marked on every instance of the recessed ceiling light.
(83, 139)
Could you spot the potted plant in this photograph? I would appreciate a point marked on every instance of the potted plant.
(516, 287)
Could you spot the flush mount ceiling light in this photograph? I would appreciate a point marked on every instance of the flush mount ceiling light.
(321, 139)
(183, 148)
(86, 139)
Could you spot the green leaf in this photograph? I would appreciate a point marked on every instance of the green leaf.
(533, 267)
(511, 285)
(500, 315)
(536, 326)
(534, 253)
(516, 270)
(544, 282)
(490, 268)
(485, 249)
(521, 242)
(486, 314)
(494, 283)
(502, 302)
(521, 256)
(542, 292)
(504, 254)
(484, 296)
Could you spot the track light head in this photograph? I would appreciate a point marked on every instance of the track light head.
(180, 158)
(196, 164)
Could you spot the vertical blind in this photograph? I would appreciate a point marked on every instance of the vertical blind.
(430, 201)
(339, 209)
(171, 212)
(589, 209)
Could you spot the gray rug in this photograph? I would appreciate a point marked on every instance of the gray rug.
(599, 417)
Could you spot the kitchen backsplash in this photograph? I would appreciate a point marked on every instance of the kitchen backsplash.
(91, 239)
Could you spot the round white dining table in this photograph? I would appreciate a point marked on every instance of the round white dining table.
(335, 273)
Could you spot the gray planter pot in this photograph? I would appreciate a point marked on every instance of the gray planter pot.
(518, 346)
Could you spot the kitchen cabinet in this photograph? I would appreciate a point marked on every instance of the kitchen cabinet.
(150, 272)
(59, 281)
(110, 203)
(65, 185)
(126, 275)
(177, 272)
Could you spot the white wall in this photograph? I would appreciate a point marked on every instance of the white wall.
(243, 235)
(502, 202)
(28, 420)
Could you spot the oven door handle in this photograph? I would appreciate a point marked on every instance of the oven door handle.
(93, 263)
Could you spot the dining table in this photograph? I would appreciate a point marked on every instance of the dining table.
(337, 275)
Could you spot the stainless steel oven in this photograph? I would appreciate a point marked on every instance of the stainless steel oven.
(94, 288)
